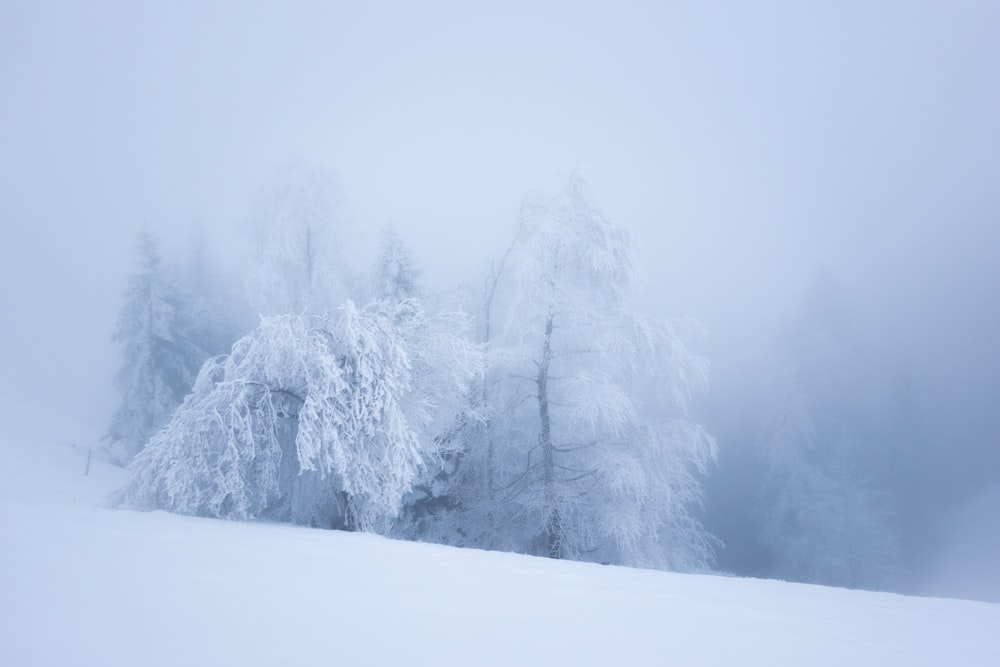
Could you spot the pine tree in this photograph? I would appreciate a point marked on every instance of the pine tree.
(395, 275)
(159, 354)
(822, 512)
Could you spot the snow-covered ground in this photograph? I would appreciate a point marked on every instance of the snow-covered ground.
(81, 585)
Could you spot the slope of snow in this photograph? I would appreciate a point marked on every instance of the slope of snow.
(87, 586)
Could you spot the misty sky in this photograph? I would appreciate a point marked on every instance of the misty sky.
(749, 146)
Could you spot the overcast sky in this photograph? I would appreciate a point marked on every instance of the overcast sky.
(749, 146)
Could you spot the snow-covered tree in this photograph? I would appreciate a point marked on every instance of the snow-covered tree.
(394, 280)
(320, 420)
(298, 230)
(586, 453)
(160, 352)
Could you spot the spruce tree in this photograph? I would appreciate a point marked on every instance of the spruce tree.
(159, 355)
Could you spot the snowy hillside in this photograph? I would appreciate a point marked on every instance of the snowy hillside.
(88, 586)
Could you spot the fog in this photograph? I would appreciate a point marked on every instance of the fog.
(782, 166)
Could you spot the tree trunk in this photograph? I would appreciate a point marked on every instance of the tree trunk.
(553, 523)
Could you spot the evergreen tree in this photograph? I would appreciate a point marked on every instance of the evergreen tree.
(823, 514)
(395, 275)
(159, 354)
(823, 519)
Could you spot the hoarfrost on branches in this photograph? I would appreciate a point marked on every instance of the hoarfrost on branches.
(585, 452)
(317, 420)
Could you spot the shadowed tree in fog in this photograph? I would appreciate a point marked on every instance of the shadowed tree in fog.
(824, 516)
(219, 310)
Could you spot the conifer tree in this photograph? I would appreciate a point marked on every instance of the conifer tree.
(395, 275)
(160, 356)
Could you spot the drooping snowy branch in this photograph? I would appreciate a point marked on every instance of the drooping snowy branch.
(325, 407)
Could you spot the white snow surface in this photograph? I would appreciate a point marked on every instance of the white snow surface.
(81, 585)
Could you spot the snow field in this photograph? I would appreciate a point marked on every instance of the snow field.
(88, 586)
